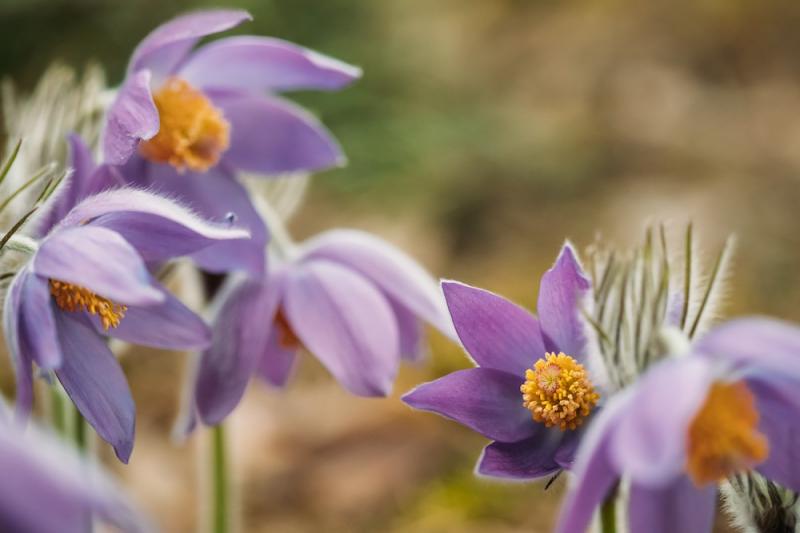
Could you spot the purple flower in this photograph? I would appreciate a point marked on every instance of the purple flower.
(197, 117)
(531, 390)
(349, 298)
(47, 487)
(87, 279)
(729, 406)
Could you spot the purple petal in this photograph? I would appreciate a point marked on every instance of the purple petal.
(241, 329)
(560, 293)
(394, 272)
(531, 458)
(164, 48)
(157, 227)
(19, 345)
(261, 64)
(783, 435)
(277, 363)
(485, 400)
(37, 309)
(496, 333)
(100, 260)
(678, 507)
(649, 443)
(410, 331)
(346, 323)
(273, 136)
(131, 118)
(216, 196)
(96, 384)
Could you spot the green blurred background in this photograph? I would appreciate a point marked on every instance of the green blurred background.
(483, 134)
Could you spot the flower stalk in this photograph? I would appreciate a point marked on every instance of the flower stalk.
(219, 493)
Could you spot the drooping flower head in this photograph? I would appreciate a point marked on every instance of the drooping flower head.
(350, 299)
(88, 278)
(532, 390)
(691, 422)
(193, 119)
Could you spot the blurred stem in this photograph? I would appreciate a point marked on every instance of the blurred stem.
(608, 513)
(281, 242)
(59, 410)
(220, 481)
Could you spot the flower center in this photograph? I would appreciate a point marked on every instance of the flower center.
(723, 436)
(193, 133)
(287, 338)
(558, 392)
(71, 297)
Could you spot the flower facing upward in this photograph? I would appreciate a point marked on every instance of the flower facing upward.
(728, 407)
(531, 389)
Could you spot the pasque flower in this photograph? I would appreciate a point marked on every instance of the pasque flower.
(729, 406)
(532, 389)
(195, 118)
(88, 278)
(352, 300)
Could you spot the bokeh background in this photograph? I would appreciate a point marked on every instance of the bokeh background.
(483, 134)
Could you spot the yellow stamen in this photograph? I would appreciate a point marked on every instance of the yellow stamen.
(193, 133)
(723, 436)
(558, 392)
(71, 297)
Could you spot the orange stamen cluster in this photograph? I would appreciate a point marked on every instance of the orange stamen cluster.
(73, 298)
(193, 133)
(723, 437)
(558, 392)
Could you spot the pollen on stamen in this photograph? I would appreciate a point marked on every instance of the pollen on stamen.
(192, 134)
(74, 298)
(558, 392)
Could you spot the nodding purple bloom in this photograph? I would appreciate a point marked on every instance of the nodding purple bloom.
(729, 406)
(88, 279)
(349, 298)
(47, 487)
(196, 117)
(531, 389)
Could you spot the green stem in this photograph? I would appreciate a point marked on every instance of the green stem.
(608, 514)
(58, 410)
(220, 481)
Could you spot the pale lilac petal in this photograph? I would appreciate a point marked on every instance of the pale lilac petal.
(19, 345)
(94, 381)
(391, 269)
(217, 197)
(164, 48)
(261, 64)
(561, 291)
(410, 330)
(131, 118)
(496, 333)
(783, 435)
(170, 325)
(531, 458)
(678, 507)
(346, 323)
(485, 400)
(277, 363)
(568, 447)
(649, 442)
(273, 136)
(241, 329)
(139, 215)
(37, 313)
(100, 260)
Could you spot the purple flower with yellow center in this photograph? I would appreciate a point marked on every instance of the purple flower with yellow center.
(730, 406)
(87, 279)
(194, 118)
(531, 390)
(350, 299)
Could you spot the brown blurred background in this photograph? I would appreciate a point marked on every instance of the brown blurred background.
(483, 134)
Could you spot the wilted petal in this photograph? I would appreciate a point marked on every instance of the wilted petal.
(96, 384)
(485, 400)
(131, 118)
(560, 293)
(273, 136)
(393, 271)
(157, 227)
(346, 323)
(261, 64)
(37, 314)
(19, 345)
(100, 260)
(496, 333)
(527, 459)
(240, 332)
(678, 507)
(167, 45)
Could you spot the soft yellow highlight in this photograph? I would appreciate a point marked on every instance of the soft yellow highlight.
(71, 297)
